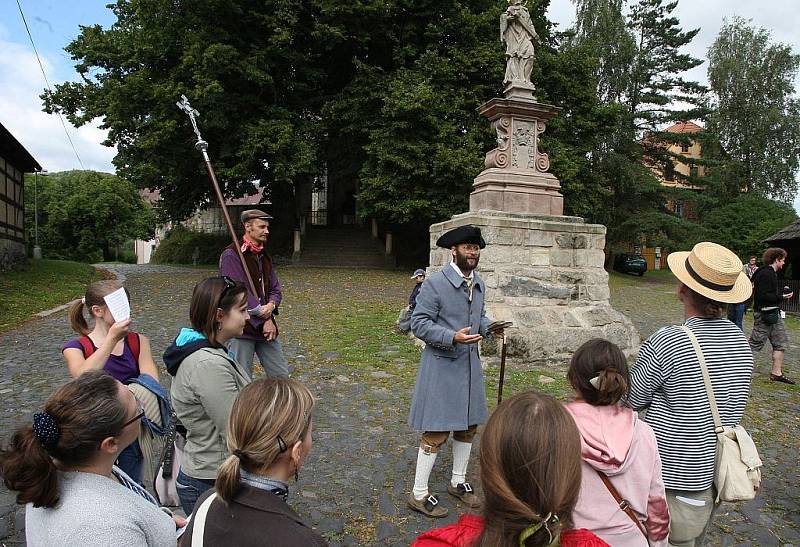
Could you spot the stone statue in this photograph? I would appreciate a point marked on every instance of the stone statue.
(518, 34)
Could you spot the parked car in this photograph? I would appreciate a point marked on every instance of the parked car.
(630, 263)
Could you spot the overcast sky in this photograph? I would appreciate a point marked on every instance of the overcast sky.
(54, 23)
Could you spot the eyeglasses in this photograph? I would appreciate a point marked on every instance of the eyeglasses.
(138, 417)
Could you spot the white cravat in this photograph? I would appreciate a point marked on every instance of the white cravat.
(467, 279)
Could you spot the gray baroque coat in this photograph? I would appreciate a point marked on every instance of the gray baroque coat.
(449, 394)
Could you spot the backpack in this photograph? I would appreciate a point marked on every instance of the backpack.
(133, 342)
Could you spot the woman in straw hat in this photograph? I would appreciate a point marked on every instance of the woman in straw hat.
(668, 382)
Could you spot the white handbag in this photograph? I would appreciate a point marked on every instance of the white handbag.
(738, 466)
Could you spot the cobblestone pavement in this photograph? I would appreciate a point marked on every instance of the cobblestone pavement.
(354, 486)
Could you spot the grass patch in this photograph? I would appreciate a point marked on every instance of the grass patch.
(43, 285)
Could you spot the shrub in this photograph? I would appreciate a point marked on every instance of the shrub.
(178, 247)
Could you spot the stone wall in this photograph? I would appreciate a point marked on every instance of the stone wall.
(12, 255)
(544, 273)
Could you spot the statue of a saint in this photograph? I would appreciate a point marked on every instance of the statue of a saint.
(518, 34)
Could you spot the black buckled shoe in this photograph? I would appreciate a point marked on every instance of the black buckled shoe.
(428, 505)
(465, 493)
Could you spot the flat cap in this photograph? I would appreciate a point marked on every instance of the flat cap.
(463, 234)
(252, 214)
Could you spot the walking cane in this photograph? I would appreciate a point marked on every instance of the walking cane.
(502, 369)
(202, 146)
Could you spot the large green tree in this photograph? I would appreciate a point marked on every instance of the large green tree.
(756, 116)
(248, 66)
(601, 27)
(86, 215)
(638, 57)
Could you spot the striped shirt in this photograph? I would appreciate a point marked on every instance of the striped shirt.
(668, 383)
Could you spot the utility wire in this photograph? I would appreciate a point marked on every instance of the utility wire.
(47, 83)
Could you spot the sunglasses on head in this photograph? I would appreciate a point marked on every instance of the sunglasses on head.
(229, 284)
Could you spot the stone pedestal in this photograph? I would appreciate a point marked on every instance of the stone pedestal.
(545, 273)
(516, 177)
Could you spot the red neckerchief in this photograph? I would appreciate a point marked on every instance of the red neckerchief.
(252, 247)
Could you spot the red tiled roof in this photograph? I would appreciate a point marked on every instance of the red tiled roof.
(152, 196)
(684, 127)
(254, 199)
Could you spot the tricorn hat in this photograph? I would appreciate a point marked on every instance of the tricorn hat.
(713, 271)
(463, 234)
(252, 214)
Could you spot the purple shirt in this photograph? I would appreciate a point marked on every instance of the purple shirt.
(230, 265)
(122, 367)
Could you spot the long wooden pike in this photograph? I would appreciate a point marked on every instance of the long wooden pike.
(202, 146)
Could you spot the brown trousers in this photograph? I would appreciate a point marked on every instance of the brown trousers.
(432, 441)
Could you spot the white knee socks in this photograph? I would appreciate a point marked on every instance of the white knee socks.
(424, 466)
(460, 460)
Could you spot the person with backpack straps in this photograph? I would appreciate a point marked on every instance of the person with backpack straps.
(111, 346)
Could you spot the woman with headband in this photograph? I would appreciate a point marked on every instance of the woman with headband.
(62, 468)
(269, 437)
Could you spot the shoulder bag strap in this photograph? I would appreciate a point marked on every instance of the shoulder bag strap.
(706, 380)
(620, 501)
(199, 528)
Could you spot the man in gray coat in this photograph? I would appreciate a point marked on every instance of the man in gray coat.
(449, 395)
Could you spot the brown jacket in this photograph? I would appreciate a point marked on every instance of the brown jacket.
(255, 517)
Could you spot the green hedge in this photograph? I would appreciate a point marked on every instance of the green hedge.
(178, 247)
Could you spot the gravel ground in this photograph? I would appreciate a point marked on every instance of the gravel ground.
(354, 486)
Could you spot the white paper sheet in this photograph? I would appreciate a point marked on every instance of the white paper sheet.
(118, 305)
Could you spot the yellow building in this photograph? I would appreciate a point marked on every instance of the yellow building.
(672, 175)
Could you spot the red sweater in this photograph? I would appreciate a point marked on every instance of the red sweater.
(467, 530)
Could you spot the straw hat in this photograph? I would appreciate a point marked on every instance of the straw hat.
(713, 271)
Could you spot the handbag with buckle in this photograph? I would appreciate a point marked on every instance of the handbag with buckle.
(738, 466)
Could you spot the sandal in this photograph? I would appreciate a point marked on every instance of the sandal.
(781, 378)
(427, 506)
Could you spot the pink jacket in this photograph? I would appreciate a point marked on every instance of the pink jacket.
(616, 442)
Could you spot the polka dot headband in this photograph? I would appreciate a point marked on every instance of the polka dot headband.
(46, 430)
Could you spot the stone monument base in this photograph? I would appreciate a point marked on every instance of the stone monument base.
(545, 273)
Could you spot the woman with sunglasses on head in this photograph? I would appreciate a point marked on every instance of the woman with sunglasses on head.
(62, 468)
(269, 437)
(206, 381)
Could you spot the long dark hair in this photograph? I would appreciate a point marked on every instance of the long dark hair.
(530, 469)
(209, 295)
(85, 411)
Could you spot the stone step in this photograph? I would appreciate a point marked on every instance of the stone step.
(342, 248)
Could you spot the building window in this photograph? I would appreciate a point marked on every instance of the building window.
(669, 172)
(693, 171)
(684, 147)
(679, 207)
